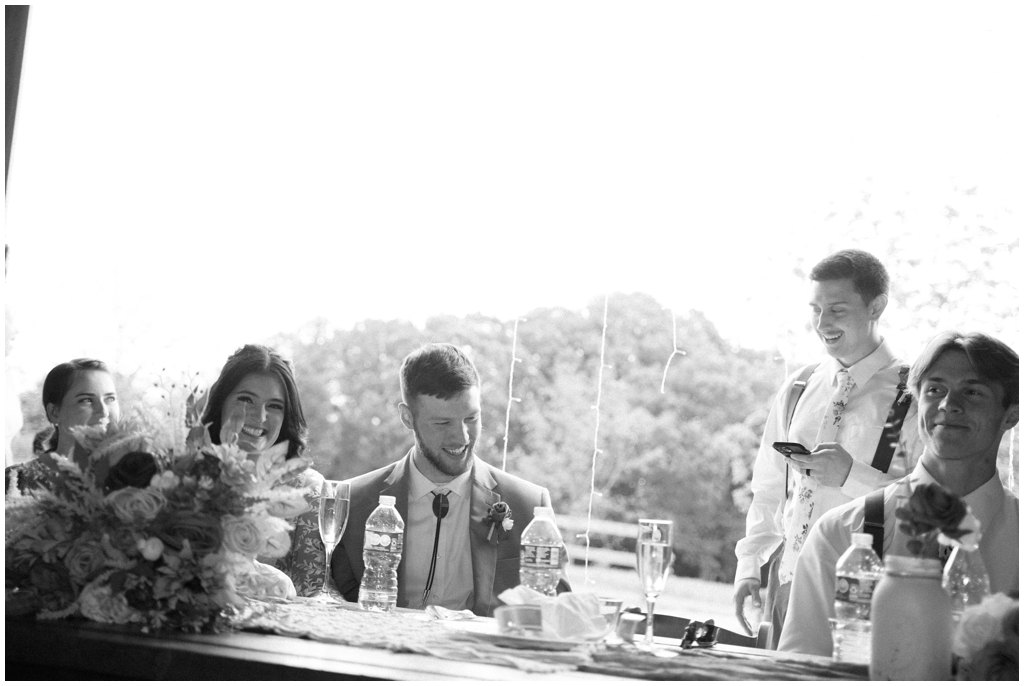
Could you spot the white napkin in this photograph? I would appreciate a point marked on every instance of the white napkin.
(521, 595)
(569, 616)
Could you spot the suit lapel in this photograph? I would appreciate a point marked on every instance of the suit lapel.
(485, 555)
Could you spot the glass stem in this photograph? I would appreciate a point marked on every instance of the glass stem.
(327, 569)
(649, 636)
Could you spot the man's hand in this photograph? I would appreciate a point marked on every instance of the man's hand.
(747, 587)
(829, 463)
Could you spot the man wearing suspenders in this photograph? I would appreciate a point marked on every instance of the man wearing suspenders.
(967, 389)
(847, 410)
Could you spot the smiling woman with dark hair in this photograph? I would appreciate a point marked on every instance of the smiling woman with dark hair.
(255, 403)
(76, 393)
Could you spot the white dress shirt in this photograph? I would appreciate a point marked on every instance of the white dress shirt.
(453, 575)
(876, 378)
(812, 601)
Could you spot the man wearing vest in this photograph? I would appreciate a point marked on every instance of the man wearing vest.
(848, 411)
(967, 390)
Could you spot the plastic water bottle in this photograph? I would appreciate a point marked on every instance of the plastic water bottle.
(540, 549)
(965, 580)
(382, 551)
(857, 572)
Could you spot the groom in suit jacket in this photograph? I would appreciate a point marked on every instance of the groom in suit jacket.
(455, 560)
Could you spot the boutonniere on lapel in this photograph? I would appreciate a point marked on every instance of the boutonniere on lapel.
(498, 514)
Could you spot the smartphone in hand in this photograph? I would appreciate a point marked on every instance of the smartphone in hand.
(788, 449)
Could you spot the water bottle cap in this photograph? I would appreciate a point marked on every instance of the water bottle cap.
(388, 500)
(863, 540)
(544, 512)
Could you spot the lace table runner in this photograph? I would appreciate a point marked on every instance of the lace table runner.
(713, 665)
(407, 631)
(400, 632)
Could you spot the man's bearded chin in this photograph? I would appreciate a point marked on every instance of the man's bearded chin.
(438, 461)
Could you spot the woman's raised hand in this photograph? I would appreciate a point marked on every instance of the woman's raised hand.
(231, 426)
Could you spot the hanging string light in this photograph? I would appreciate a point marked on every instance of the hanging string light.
(511, 398)
(675, 351)
(593, 463)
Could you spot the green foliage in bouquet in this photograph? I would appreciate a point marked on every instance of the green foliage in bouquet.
(161, 529)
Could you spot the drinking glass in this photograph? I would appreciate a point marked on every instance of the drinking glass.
(334, 499)
(653, 562)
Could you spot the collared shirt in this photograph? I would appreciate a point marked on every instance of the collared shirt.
(812, 601)
(453, 575)
(876, 378)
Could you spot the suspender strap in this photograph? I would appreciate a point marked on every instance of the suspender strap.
(893, 425)
(794, 397)
(798, 389)
(874, 519)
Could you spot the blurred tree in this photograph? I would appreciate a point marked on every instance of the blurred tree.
(964, 277)
(671, 454)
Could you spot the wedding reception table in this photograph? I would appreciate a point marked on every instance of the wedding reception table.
(302, 640)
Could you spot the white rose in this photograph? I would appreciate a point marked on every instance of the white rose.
(99, 604)
(132, 503)
(241, 535)
(151, 548)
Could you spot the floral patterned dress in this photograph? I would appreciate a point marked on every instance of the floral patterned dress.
(39, 472)
(305, 562)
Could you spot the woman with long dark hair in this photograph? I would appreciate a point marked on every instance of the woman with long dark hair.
(76, 393)
(255, 403)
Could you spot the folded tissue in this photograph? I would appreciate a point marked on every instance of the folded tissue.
(569, 616)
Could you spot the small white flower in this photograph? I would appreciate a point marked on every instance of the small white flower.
(165, 481)
(968, 541)
(507, 524)
(151, 548)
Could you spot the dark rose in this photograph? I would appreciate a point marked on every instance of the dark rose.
(49, 578)
(1011, 625)
(208, 465)
(932, 507)
(134, 469)
(85, 559)
(499, 511)
(498, 515)
(202, 532)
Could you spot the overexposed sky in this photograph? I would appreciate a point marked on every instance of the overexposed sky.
(186, 178)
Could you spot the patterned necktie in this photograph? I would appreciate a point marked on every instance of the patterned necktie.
(804, 515)
(440, 506)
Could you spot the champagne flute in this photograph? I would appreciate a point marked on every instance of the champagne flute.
(653, 562)
(334, 499)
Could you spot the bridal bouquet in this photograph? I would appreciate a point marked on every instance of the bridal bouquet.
(987, 641)
(162, 528)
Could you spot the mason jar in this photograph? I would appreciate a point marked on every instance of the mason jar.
(911, 622)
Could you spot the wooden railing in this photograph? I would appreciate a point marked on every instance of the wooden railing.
(571, 525)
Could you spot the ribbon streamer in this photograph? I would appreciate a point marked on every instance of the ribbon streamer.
(593, 464)
(675, 351)
(511, 373)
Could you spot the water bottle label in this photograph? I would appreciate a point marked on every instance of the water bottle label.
(383, 541)
(850, 589)
(540, 556)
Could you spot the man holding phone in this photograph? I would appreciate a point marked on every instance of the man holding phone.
(834, 433)
(968, 387)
